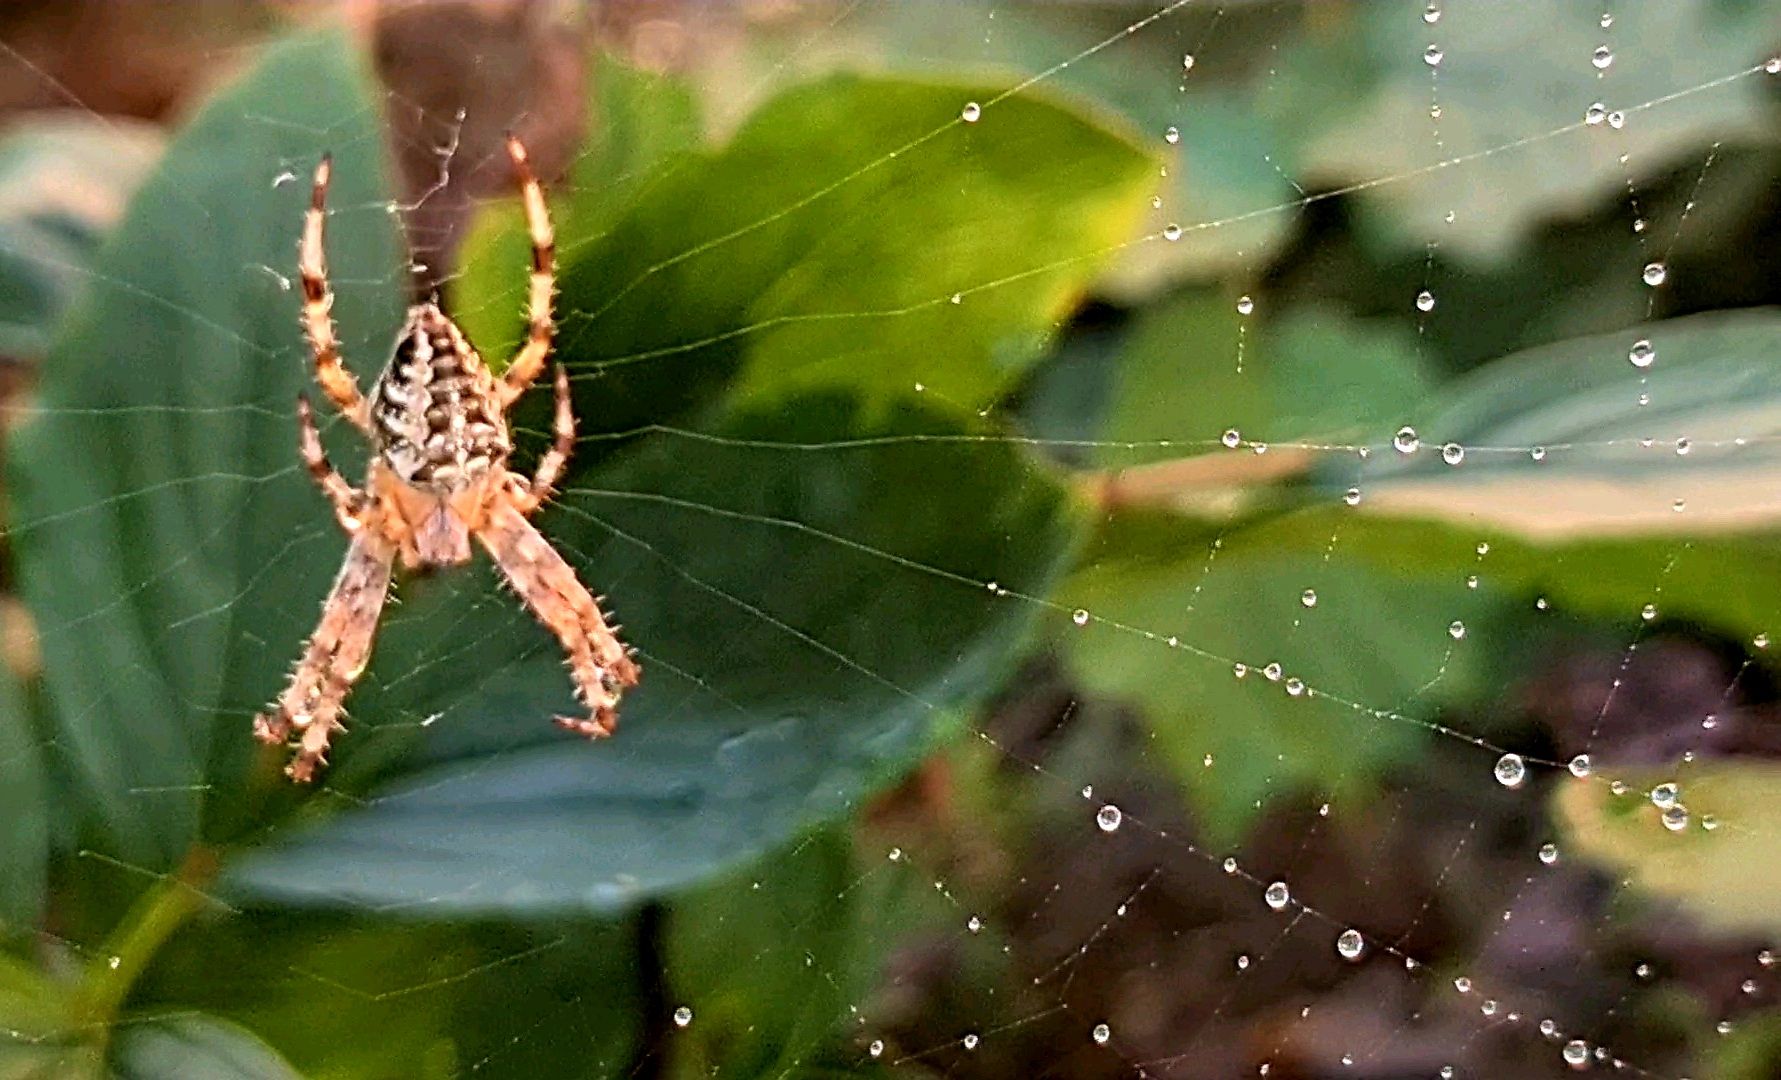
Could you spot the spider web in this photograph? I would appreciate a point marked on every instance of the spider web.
(1200, 828)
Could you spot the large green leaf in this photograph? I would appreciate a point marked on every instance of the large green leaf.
(355, 995)
(1511, 146)
(158, 480)
(846, 270)
(1196, 367)
(1189, 625)
(195, 1047)
(1574, 439)
(802, 608)
(24, 794)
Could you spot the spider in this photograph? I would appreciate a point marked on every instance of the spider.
(437, 421)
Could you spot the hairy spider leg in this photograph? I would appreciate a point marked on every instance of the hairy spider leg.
(349, 502)
(318, 306)
(529, 361)
(333, 657)
(599, 665)
(550, 466)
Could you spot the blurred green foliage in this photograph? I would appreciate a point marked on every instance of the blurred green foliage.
(801, 356)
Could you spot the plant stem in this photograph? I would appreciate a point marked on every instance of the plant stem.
(148, 924)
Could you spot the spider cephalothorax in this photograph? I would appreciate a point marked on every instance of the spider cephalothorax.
(439, 478)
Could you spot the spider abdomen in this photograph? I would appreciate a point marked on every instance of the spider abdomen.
(435, 410)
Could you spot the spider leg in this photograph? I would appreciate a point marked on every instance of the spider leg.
(550, 466)
(318, 305)
(349, 502)
(529, 361)
(333, 657)
(599, 664)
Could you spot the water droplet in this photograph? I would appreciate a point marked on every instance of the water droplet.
(1618, 787)
(1489, 1007)
(1541, 603)
(1761, 641)
(1576, 1053)
(1101, 1034)
(1239, 669)
(1349, 944)
(1675, 818)
(1406, 440)
(1435, 112)
(1653, 274)
(1232, 438)
(1607, 20)
(1351, 496)
(1463, 985)
(1602, 57)
(1664, 795)
(1245, 305)
(1272, 671)
(1773, 65)
(1616, 119)
(1187, 62)
(1642, 970)
(1242, 961)
(1766, 958)
(1642, 355)
(1079, 616)
(1596, 113)
(969, 1042)
(1446, 1072)
(1456, 630)
(1639, 225)
(1709, 822)
(1108, 817)
(974, 924)
(682, 1016)
(1679, 505)
(1483, 547)
(1579, 766)
(877, 1048)
(1453, 453)
(1295, 687)
(971, 112)
(283, 178)
(114, 962)
(1431, 14)
(1683, 446)
(1648, 612)
(1432, 55)
(895, 854)
(1308, 598)
(1230, 865)
(1277, 895)
(1425, 301)
(1510, 770)
(1471, 581)
(1748, 986)
(1172, 135)
(1724, 1027)
(1548, 853)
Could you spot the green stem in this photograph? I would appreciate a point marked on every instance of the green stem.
(153, 919)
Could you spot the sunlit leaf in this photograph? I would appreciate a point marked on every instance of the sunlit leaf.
(1714, 857)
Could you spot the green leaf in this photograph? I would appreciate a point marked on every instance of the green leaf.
(1513, 82)
(358, 995)
(1719, 865)
(63, 184)
(24, 807)
(759, 1007)
(1195, 367)
(157, 484)
(1210, 601)
(1693, 460)
(1226, 166)
(802, 605)
(194, 1047)
(638, 121)
(843, 271)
